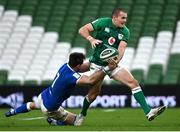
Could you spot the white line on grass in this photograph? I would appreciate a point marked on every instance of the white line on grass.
(34, 118)
(109, 110)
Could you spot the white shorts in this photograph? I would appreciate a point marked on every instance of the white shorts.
(58, 114)
(95, 67)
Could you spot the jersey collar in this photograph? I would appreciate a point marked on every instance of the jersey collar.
(70, 67)
(112, 25)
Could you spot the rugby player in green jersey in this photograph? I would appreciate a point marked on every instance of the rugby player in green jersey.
(113, 32)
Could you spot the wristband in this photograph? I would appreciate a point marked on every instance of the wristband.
(106, 69)
(89, 38)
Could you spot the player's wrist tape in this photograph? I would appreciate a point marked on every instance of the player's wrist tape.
(89, 38)
(106, 69)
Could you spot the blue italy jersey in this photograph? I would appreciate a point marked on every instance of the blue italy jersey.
(61, 88)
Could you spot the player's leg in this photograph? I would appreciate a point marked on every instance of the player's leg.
(126, 78)
(123, 75)
(93, 91)
(25, 107)
(90, 97)
(61, 117)
(51, 120)
(21, 109)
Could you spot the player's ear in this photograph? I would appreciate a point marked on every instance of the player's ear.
(113, 16)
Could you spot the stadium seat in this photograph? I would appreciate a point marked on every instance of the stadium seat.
(1, 10)
(171, 77)
(155, 74)
(143, 2)
(158, 2)
(126, 2)
(138, 74)
(14, 4)
(140, 62)
(56, 61)
(78, 49)
(159, 59)
(16, 77)
(174, 61)
(128, 58)
(3, 3)
(175, 2)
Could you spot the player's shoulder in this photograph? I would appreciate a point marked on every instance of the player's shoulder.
(71, 73)
(64, 67)
(126, 30)
(65, 70)
(106, 18)
(102, 20)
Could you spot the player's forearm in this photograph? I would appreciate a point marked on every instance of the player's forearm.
(121, 49)
(121, 53)
(92, 79)
(96, 77)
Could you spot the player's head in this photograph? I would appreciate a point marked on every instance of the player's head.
(76, 59)
(119, 17)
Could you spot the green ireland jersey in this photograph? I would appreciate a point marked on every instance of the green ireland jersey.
(110, 35)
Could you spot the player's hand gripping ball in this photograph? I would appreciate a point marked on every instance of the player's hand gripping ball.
(109, 53)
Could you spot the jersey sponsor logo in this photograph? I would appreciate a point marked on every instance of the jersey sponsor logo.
(120, 36)
(76, 75)
(111, 40)
(107, 30)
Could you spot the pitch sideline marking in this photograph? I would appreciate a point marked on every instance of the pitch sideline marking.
(34, 118)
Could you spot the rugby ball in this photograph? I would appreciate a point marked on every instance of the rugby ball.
(109, 53)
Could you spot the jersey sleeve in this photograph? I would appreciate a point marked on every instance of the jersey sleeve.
(74, 78)
(98, 23)
(126, 35)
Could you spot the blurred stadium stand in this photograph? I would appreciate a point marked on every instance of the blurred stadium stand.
(36, 37)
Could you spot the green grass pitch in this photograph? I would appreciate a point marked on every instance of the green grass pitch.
(97, 120)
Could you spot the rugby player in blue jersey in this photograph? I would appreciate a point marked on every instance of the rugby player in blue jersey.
(67, 77)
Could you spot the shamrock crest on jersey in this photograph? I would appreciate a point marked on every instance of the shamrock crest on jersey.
(120, 36)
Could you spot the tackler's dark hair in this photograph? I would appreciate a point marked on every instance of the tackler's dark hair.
(76, 59)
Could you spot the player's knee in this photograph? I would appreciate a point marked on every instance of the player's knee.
(31, 106)
(60, 114)
(133, 83)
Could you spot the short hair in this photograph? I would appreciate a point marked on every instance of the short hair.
(116, 11)
(76, 59)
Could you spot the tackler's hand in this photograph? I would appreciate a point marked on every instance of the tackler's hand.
(116, 59)
(112, 64)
